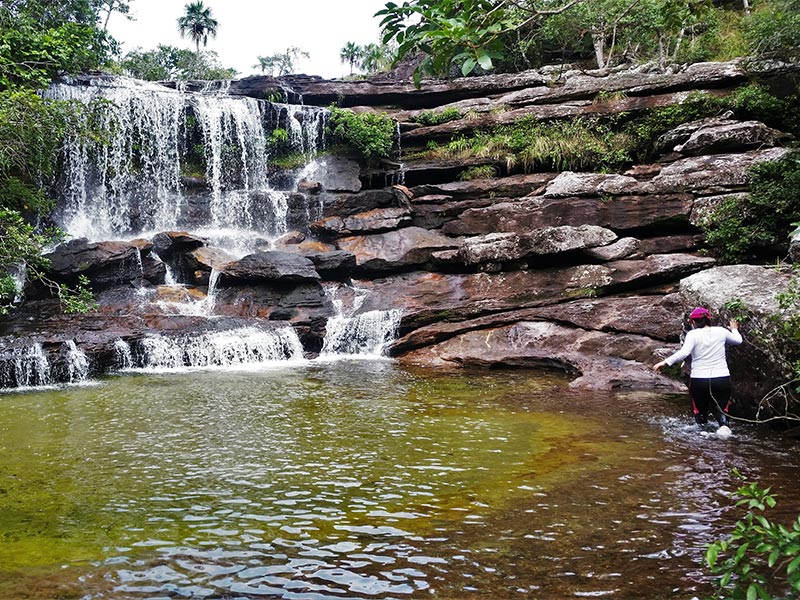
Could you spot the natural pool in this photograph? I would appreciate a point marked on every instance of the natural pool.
(363, 479)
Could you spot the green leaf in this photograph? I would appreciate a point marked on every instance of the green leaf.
(485, 61)
(752, 592)
(792, 567)
(468, 66)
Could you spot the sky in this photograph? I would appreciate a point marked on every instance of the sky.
(252, 28)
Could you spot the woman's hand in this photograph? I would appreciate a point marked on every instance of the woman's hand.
(734, 324)
(659, 365)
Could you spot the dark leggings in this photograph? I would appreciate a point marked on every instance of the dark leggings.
(710, 395)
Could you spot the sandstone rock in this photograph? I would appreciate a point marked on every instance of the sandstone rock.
(671, 243)
(754, 285)
(569, 184)
(208, 259)
(507, 187)
(272, 265)
(714, 174)
(618, 214)
(601, 361)
(291, 238)
(104, 263)
(704, 207)
(309, 187)
(333, 174)
(168, 242)
(373, 221)
(622, 248)
(343, 205)
(726, 137)
(411, 246)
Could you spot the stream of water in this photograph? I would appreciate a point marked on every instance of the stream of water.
(363, 479)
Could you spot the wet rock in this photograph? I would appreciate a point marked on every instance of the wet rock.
(167, 243)
(105, 263)
(601, 361)
(505, 187)
(306, 186)
(334, 174)
(343, 205)
(272, 265)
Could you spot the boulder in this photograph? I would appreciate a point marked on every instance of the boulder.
(396, 250)
(372, 221)
(622, 248)
(167, 243)
(333, 174)
(731, 136)
(569, 184)
(600, 361)
(713, 174)
(105, 263)
(274, 266)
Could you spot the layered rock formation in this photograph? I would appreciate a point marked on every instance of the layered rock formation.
(586, 272)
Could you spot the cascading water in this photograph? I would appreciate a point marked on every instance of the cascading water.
(178, 160)
(365, 334)
(77, 363)
(237, 347)
(25, 367)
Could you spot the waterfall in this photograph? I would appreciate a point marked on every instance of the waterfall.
(237, 347)
(124, 354)
(175, 159)
(365, 334)
(76, 362)
(25, 367)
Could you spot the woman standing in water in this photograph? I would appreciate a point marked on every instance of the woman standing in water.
(710, 379)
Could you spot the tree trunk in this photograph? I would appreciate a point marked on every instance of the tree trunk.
(599, 43)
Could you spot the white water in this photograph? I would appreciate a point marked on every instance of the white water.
(233, 348)
(77, 363)
(26, 367)
(363, 335)
(132, 186)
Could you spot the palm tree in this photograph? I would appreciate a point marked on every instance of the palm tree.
(350, 53)
(198, 23)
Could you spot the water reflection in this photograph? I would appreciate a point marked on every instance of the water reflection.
(355, 480)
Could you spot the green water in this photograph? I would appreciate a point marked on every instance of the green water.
(363, 480)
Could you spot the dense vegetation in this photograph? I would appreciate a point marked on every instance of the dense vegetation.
(39, 40)
(462, 36)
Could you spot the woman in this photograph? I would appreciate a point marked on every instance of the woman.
(710, 380)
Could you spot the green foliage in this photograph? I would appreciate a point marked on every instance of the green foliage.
(529, 145)
(278, 136)
(282, 62)
(198, 24)
(760, 560)
(174, 64)
(742, 227)
(478, 172)
(370, 133)
(437, 117)
(40, 40)
(467, 33)
(774, 29)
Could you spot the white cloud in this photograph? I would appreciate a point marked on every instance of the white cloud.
(249, 29)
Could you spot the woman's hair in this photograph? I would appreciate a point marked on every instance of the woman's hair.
(702, 321)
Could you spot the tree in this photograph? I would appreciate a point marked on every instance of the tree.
(112, 6)
(376, 58)
(350, 53)
(198, 24)
(284, 62)
(171, 63)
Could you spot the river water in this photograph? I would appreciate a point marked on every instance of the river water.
(364, 479)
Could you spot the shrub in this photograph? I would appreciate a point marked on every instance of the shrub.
(372, 135)
(437, 117)
(744, 227)
(478, 172)
(761, 559)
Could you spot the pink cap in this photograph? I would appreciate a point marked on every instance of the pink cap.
(699, 313)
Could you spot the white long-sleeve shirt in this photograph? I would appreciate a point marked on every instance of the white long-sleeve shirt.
(706, 345)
